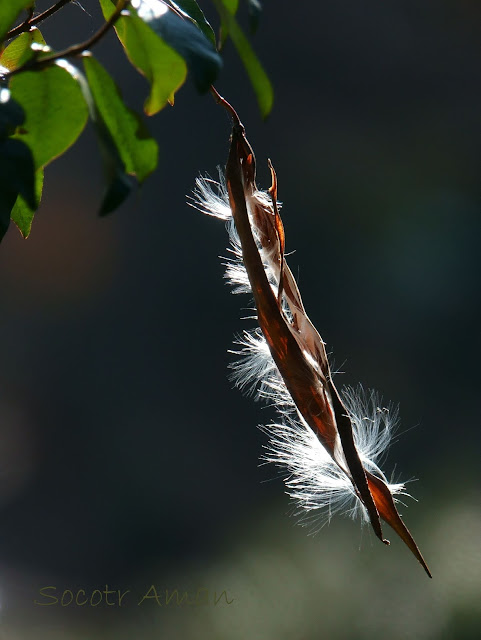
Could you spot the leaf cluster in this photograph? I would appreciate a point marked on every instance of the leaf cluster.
(46, 99)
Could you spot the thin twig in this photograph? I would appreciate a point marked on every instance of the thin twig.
(24, 26)
(30, 21)
(74, 50)
(220, 100)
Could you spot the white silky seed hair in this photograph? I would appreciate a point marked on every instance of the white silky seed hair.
(316, 484)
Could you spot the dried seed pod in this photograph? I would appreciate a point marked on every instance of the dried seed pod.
(328, 448)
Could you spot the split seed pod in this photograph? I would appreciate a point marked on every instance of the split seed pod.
(289, 358)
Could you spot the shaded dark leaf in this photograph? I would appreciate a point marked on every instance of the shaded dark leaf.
(202, 59)
(11, 114)
(192, 9)
(182, 35)
(16, 177)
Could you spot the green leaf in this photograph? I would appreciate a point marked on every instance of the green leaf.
(231, 6)
(137, 151)
(192, 9)
(163, 67)
(9, 10)
(180, 34)
(16, 177)
(258, 77)
(55, 114)
(54, 107)
(19, 50)
(22, 213)
(118, 183)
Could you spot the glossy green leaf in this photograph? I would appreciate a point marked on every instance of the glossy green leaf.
(192, 9)
(22, 213)
(137, 150)
(54, 107)
(16, 177)
(163, 67)
(19, 50)
(9, 11)
(258, 77)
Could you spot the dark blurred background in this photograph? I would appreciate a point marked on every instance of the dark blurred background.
(127, 459)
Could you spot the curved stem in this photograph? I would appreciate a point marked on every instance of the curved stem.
(76, 49)
(220, 100)
(31, 21)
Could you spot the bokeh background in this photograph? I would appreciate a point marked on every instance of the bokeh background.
(127, 459)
